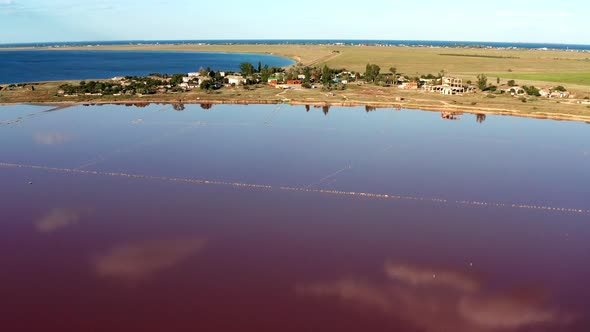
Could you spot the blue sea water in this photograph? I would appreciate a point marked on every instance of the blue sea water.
(439, 43)
(47, 65)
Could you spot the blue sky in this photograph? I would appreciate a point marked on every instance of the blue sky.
(553, 21)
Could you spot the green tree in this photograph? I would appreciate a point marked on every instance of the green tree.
(393, 71)
(511, 83)
(326, 75)
(206, 85)
(176, 79)
(368, 72)
(376, 70)
(372, 72)
(265, 73)
(531, 91)
(482, 81)
(307, 73)
(246, 69)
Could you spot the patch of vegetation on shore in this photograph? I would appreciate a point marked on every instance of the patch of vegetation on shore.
(568, 78)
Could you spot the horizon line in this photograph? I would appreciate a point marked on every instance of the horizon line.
(287, 40)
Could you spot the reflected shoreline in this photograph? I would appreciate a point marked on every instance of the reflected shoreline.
(371, 106)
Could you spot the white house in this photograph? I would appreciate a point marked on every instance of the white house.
(237, 80)
(188, 86)
(559, 94)
(301, 77)
(193, 74)
(515, 91)
(545, 93)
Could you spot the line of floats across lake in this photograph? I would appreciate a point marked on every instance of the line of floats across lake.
(301, 189)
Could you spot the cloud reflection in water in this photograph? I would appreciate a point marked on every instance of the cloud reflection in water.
(441, 300)
(142, 260)
(51, 138)
(59, 218)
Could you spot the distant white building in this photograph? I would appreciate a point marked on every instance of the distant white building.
(408, 86)
(449, 86)
(188, 86)
(301, 77)
(550, 93)
(545, 93)
(560, 94)
(193, 74)
(237, 80)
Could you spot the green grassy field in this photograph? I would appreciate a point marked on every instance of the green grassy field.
(413, 59)
(565, 78)
(534, 65)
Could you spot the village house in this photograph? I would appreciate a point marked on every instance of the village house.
(401, 80)
(559, 94)
(449, 86)
(273, 80)
(188, 86)
(545, 93)
(346, 75)
(553, 94)
(426, 81)
(409, 86)
(514, 91)
(235, 80)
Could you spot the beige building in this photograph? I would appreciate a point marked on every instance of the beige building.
(449, 86)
